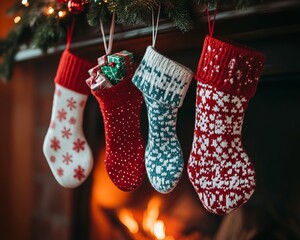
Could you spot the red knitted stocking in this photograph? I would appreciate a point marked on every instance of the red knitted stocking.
(120, 106)
(218, 167)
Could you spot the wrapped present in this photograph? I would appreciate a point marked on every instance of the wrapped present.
(115, 70)
(102, 60)
(94, 71)
(130, 54)
(97, 80)
(101, 82)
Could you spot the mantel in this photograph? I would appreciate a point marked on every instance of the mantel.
(270, 19)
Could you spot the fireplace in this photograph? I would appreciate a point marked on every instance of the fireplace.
(97, 210)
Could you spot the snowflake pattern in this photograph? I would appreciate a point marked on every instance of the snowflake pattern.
(58, 92)
(61, 115)
(66, 132)
(52, 159)
(60, 172)
(55, 144)
(67, 158)
(218, 167)
(79, 173)
(71, 103)
(72, 120)
(78, 145)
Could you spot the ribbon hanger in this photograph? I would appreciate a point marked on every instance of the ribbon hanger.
(111, 35)
(70, 30)
(211, 27)
(155, 26)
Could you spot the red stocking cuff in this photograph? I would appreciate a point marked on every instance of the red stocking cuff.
(230, 67)
(72, 72)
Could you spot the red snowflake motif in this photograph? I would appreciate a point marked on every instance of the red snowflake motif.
(52, 124)
(82, 103)
(79, 173)
(71, 103)
(78, 145)
(60, 172)
(61, 115)
(72, 120)
(55, 144)
(66, 133)
(58, 92)
(53, 159)
(67, 158)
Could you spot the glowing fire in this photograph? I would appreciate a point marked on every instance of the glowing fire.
(126, 217)
(151, 224)
(151, 214)
(159, 230)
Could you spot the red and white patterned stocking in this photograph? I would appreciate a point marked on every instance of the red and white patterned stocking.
(65, 147)
(218, 167)
(121, 106)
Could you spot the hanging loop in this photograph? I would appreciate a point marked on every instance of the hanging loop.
(111, 35)
(211, 26)
(155, 26)
(70, 30)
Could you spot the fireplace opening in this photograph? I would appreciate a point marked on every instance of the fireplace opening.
(179, 215)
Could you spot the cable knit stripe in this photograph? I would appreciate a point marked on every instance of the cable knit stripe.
(230, 67)
(162, 79)
(72, 73)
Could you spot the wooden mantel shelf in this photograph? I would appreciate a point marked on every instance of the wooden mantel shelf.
(270, 19)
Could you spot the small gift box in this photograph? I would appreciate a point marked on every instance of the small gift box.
(97, 80)
(117, 64)
(101, 82)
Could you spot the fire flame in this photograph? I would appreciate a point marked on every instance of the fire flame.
(159, 230)
(126, 217)
(151, 214)
(151, 224)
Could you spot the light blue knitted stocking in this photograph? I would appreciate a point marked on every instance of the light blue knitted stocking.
(163, 83)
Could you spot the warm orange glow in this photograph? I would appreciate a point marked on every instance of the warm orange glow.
(17, 19)
(151, 214)
(104, 195)
(128, 220)
(104, 192)
(159, 230)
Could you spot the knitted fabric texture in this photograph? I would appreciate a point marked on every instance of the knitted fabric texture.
(65, 147)
(164, 84)
(218, 167)
(120, 106)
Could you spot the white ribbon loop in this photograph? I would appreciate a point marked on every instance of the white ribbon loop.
(111, 35)
(155, 26)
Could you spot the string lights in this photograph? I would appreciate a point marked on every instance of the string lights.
(25, 3)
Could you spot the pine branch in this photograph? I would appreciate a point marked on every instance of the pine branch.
(135, 12)
(47, 33)
(178, 13)
(95, 12)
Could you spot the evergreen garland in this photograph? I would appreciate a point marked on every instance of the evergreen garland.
(41, 29)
